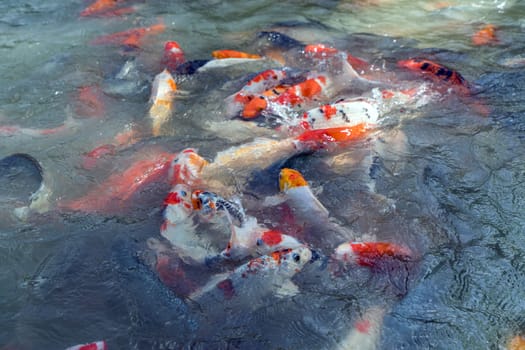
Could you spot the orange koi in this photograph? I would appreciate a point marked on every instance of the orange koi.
(90, 159)
(516, 343)
(437, 73)
(222, 54)
(173, 56)
(106, 8)
(370, 253)
(130, 38)
(116, 191)
(485, 36)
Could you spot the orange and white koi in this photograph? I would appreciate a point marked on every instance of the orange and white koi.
(485, 36)
(106, 8)
(131, 38)
(173, 56)
(113, 194)
(250, 283)
(295, 95)
(98, 345)
(161, 99)
(370, 253)
(187, 167)
(365, 333)
(263, 81)
(437, 73)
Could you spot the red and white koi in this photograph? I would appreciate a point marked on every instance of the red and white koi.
(173, 56)
(187, 167)
(366, 332)
(370, 253)
(261, 277)
(321, 52)
(161, 99)
(98, 345)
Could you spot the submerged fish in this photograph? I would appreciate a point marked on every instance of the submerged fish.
(161, 99)
(438, 73)
(173, 56)
(222, 54)
(250, 284)
(98, 345)
(130, 38)
(365, 333)
(106, 8)
(485, 36)
(370, 253)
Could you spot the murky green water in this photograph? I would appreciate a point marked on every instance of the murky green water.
(457, 181)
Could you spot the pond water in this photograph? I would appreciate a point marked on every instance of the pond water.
(448, 178)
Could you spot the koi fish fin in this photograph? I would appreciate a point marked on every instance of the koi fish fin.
(287, 289)
(272, 201)
(209, 286)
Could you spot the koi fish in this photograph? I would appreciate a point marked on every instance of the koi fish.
(366, 331)
(17, 130)
(293, 96)
(341, 113)
(115, 192)
(485, 36)
(210, 204)
(257, 85)
(246, 286)
(370, 253)
(187, 167)
(162, 94)
(130, 38)
(173, 56)
(330, 138)
(516, 343)
(106, 8)
(222, 54)
(438, 73)
(98, 345)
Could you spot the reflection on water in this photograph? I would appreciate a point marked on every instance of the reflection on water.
(448, 182)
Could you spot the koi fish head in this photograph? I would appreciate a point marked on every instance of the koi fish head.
(293, 260)
(173, 55)
(273, 240)
(186, 167)
(290, 178)
(178, 204)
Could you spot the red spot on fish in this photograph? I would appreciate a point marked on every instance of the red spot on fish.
(172, 274)
(172, 198)
(321, 138)
(227, 288)
(369, 253)
(485, 36)
(272, 237)
(363, 326)
(357, 63)
(90, 102)
(164, 226)
(254, 107)
(320, 51)
(329, 111)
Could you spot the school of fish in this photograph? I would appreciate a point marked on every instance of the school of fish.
(313, 98)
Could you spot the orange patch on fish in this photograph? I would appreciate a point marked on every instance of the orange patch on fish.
(291, 178)
(485, 36)
(320, 138)
(99, 7)
(272, 237)
(517, 343)
(221, 54)
(254, 107)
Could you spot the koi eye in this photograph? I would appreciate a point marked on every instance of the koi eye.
(296, 257)
(183, 193)
(259, 242)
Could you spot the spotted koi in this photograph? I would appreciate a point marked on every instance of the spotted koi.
(162, 94)
(370, 253)
(437, 73)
